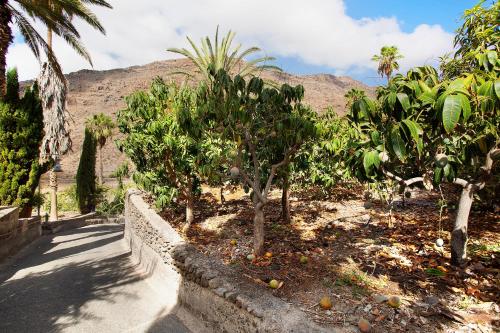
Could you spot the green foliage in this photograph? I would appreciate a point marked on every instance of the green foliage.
(21, 131)
(476, 42)
(266, 125)
(116, 205)
(321, 162)
(171, 156)
(418, 116)
(66, 201)
(101, 126)
(85, 176)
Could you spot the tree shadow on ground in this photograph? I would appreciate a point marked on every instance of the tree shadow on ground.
(52, 300)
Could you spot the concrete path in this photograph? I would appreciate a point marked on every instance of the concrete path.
(81, 281)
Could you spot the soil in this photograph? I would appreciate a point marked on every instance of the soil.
(357, 261)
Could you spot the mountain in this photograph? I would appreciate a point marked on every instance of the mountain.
(92, 92)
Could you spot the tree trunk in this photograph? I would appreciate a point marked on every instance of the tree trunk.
(49, 38)
(5, 40)
(258, 233)
(285, 201)
(53, 196)
(222, 198)
(459, 233)
(101, 172)
(189, 207)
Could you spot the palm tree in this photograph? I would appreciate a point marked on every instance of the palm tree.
(352, 96)
(220, 54)
(56, 15)
(101, 127)
(387, 60)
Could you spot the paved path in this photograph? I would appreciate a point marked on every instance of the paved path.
(80, 281)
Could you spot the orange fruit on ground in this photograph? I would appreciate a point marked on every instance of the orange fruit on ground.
(394, 302)
(325, 303)
(268, 255)
(234, 242)
(274, 284)
(364, 325)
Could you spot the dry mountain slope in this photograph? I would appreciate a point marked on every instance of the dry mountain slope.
(92, 92)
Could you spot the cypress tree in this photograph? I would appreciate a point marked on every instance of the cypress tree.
(85, 176)
(21, 133)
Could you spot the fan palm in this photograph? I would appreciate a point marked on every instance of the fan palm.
(56, 16)
(101, 127)
(220, 54)
(387, 61)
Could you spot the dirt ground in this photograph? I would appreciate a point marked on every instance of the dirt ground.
(337, 248)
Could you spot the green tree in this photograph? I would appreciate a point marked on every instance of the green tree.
(21, 131)
(267, 127)
(56, 16)
(86, 190)
(477, 35)
(101, 126)
(170, 162)
(425, 130)
(387, 61)
(219, 54)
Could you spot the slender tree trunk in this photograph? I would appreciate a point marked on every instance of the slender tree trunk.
(5, 40)
(285, 201)
(459, 233)
(53, 195)
(222, 198)
(189, 207)
(49, 38)
(101, 172)
(258, 233)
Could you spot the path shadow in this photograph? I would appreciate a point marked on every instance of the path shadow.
(52, 300)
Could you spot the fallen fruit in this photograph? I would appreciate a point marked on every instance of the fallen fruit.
(394, 302)
(233, 242)
(325, 303)
(268, 255)
(442, 269)
(274, 284)
(364, 325)
(250, 257)
(304, 260)
(439, 242)
(235, 172)
(408, 194)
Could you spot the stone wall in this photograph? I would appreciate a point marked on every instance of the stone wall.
(16, 233)
(203, 286)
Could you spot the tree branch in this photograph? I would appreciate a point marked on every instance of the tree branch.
(275, 167)
(246, 178)
(400, 180)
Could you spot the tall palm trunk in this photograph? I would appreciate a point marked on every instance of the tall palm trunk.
(5, 40)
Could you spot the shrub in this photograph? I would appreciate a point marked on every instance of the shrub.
(85, 176)
(21, 132)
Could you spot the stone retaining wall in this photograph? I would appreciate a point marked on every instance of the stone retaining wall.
(210, 291)
(16, 233)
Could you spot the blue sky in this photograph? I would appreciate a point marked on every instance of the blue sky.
(409, 13)
(315, 36)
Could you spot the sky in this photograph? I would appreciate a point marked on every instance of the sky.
(306, 37)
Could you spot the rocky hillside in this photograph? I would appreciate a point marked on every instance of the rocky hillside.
(92, 92)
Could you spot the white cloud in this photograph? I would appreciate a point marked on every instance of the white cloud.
(318, 32)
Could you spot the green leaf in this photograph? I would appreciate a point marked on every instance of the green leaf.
(465, 103)
(451, 112)
(371, 160)
(398, 144)
(375, 137)
(497, 88)
(415, 132)
(404, 100)
(427, 97)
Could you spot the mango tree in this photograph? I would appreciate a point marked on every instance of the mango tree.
(170, 163)
(422, 129)
(267, 127)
